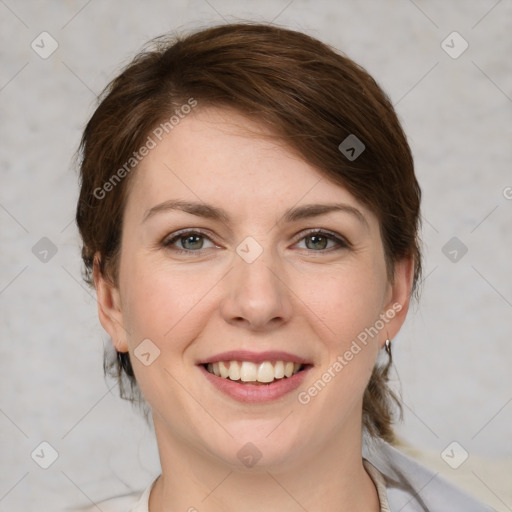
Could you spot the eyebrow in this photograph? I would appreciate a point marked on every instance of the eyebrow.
(292, 215)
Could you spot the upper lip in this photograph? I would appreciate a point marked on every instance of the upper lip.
(254, 357)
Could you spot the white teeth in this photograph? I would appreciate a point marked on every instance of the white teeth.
(247, 371)
(279, 370)
(265, 372)
(223, 369)
(234, 370)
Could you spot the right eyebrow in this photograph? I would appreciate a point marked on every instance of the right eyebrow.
(199, 209)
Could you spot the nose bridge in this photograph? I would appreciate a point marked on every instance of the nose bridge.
(257, 293)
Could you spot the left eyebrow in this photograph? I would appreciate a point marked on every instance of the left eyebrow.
(315, 210)
(291, 215)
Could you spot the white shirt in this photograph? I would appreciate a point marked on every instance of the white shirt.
(403, 485)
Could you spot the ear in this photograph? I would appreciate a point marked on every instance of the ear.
(398, 297)
(109, 307)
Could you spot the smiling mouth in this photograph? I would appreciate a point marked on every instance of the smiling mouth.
(246, 372)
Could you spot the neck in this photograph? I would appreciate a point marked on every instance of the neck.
(330, 479)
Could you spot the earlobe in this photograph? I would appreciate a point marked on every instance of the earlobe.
(109, 307)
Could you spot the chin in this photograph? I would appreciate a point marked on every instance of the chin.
(254, 447)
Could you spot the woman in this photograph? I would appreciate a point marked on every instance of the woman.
(249, 215)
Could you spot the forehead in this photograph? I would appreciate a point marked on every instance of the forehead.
(220, 156)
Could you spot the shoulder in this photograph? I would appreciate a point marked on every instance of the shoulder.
(412, 487)
(133, 502)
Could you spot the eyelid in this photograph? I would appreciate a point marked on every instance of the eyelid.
(173, 237)
(340, 240)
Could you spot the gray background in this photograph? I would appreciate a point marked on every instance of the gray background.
(455, 352)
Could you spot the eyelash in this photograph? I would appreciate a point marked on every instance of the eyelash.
(340, 241)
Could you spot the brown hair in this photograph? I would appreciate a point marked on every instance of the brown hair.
(311, 97)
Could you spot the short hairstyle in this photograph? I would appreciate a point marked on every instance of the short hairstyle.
(308, 94)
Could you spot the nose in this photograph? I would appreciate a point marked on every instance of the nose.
(256, 294)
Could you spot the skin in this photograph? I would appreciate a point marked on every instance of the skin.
(305, 298)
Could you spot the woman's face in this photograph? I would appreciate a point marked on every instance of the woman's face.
(221, 271)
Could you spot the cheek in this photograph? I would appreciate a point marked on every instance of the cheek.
(167, 309)
(164, 305)
(346, 301)
(346, 307)
(336, 391)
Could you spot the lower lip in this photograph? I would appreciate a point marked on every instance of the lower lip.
(252, 393)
